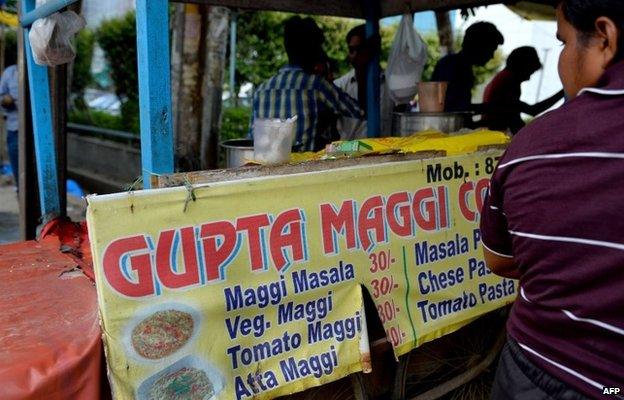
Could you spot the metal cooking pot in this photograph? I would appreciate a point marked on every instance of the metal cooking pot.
(406, 124)
(237, 152)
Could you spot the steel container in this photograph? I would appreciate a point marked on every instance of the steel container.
(406, 124)
(237, 152)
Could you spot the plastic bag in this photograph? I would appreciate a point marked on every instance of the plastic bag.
(406, 63)
(51, 38)
(273, 139)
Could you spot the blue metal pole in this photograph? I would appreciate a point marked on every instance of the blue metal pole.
(44, 10)
(233, 28)
(152, 19)
(45, 151)
(372, 13)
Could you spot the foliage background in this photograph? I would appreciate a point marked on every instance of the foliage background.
(259, 54)
(82, 78)
(117, 38)
(260, 49)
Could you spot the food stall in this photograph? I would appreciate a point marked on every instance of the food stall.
(254, 282)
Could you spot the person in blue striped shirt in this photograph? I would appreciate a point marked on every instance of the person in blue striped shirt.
(296, 90)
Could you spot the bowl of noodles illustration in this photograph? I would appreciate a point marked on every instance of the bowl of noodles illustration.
(161, 331)
(190, 378)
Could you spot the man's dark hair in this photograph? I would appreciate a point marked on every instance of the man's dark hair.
(523, 58)
(482, 32)
(359, 31)
(303, 41)
(582, 15)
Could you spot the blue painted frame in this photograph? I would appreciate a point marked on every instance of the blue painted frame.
(45, 148)
(44, 10)
(152, 19)
(373, 81)
(157, 155)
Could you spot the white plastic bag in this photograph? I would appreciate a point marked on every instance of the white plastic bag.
(273, 139)
(406, 63)
(51, 38)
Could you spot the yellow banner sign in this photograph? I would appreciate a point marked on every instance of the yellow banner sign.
(252, 288)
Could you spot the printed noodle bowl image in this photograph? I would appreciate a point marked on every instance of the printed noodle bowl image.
(162, 333)
(184, 384)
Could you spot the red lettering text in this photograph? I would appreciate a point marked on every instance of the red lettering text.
(343, 221)
(253, 225)
(286, 232)
(165, 257)
(401, 226)
(374, 222)
(124, 254)
(218, 240)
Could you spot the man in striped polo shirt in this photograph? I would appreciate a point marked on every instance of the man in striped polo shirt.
(295, 90)
(554, 219)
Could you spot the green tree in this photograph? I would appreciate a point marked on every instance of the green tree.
(11, 5)
(335, 30)
(485, 73)
(433, 54)
(81, 78)
(260, 46)
(259, 49)
(117, 38)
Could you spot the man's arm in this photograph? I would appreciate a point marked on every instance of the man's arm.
(4, 83)
(543, 105)
(6, 100)
(500, 265)
(337, 100)
(495, 238)
(483, 108)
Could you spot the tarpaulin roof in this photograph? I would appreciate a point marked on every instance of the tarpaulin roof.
(347, 8)
(533, 11)
(50, 338)
(8, 18)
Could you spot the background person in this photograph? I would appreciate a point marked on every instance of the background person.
(502, 95)
(8, 101)
(478, 47)
(553, 219)
(296, 90)
(327, 127)
(354, 83)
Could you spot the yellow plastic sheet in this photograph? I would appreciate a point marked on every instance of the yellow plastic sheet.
(7, 18)
(456, 144)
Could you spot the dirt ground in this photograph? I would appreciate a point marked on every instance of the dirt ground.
(9, 210)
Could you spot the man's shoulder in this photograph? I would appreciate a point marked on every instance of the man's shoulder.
(554, 120)
(293, 79)
(448, 60)
(448, 65)
(346, 79)
(266, 83)
(270, 82)
(500, 84)
(9, 71)
(581, 114)
(545, 134)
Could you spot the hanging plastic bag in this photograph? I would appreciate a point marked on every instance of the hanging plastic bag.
(406, 63)
(51, 38)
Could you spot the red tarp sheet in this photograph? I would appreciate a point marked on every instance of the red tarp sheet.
(50, 339)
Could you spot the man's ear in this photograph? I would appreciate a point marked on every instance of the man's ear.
(607, 34)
